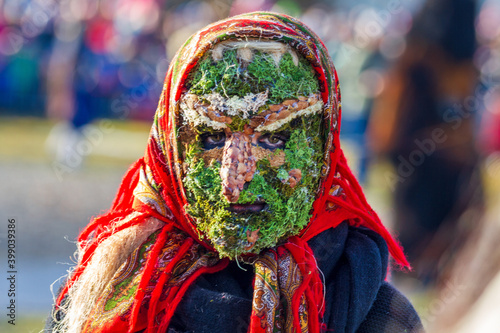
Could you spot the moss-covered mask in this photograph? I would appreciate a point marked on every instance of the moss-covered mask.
(251, 140)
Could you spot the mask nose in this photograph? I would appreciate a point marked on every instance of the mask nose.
(238, 165)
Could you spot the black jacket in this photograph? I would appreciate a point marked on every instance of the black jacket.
(358, 299)
(353, 262)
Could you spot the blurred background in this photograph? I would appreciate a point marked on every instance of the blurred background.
(420, 81)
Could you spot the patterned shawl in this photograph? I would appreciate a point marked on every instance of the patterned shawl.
(288, 290)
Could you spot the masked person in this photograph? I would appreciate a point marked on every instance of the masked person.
(243, 215)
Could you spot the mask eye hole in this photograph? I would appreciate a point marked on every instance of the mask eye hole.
(213, 140)
(273, 141)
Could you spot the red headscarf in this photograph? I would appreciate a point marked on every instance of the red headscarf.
(175, 255)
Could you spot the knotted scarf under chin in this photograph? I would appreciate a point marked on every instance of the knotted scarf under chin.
(143, 294)
(287, 295)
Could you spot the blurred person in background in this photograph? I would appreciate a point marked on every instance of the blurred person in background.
(424, 122)
(469, 301)
(103, 64)
(25, 37)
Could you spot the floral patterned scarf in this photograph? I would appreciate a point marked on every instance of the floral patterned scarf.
(288, 291)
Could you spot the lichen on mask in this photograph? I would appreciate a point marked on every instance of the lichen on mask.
(252, 148)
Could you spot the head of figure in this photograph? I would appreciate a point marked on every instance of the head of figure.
(250, 138)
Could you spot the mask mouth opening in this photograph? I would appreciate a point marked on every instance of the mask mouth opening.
(247, 208)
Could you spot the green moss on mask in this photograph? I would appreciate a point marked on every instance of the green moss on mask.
(288, 209)
(229, 77)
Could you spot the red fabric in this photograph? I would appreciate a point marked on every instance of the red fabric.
(311, 288)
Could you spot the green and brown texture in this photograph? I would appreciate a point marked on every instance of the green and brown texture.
(283, 91)
(287, 208)
(232, 77)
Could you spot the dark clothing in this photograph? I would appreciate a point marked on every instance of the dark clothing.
(353, 262)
